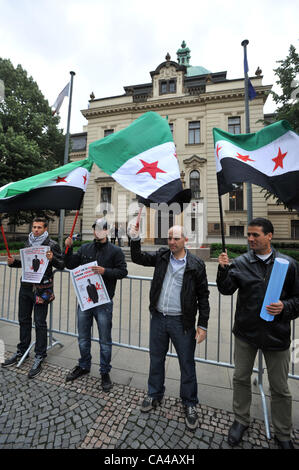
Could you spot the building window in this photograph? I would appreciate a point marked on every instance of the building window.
(108, 132)
(195, 184)
(194, 132)
(234, 125)
(295, 229)
(171, 127)
(106, 194)
(167, 86)
(236, 231)
(193, 223)
(236, 197)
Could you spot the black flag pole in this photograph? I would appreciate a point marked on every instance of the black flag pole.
(244, 44)
(221, 222)
(66, 157)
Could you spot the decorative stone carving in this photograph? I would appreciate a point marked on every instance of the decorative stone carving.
(194, 162)
(168, 72)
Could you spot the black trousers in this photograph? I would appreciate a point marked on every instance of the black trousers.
(26, 305)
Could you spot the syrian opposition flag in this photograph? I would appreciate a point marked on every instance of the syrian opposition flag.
(61, 188)
(60, 98)
(267, 158)
(142, 158)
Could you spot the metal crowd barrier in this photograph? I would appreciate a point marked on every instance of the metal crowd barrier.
(131, 321)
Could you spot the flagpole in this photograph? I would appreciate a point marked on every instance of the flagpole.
(249, 187)
(221, 222)
(73, 228)
(66, 158)
(4, 238)
(138, 217)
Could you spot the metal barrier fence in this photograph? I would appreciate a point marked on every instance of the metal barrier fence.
(131, 320)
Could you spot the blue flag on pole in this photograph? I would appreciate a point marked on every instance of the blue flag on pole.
(251, 90)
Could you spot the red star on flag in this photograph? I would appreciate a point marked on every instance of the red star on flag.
(151, 168)
(244, 158)
(217, 150)
(85, 179)
(61, 179)
(279, 159)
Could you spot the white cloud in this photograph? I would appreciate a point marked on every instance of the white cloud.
(110, 44)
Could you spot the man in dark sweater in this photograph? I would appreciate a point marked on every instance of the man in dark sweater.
(111, 266)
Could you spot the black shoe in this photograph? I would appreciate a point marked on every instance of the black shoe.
(285, 444)
(16, 357)
(36, 368)
(191, 418)
(236, 433)
(76, 373)
(150, 403)
(106, 382)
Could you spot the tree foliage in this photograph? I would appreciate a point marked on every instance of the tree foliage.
(30, 141)
(287, 98)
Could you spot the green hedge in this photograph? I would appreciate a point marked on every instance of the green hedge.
(15, 246)
(234, 251)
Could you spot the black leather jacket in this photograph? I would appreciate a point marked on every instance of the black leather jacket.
(57, 261)
(250, 276)
(107, 255)
(194, 293)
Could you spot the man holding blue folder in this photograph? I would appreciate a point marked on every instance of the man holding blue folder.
(250, 274)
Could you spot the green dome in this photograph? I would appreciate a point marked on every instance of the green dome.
(196, 70)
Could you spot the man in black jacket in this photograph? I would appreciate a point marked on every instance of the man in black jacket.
(32, 297)
(111, 266)
(178, 290)
(250, 273)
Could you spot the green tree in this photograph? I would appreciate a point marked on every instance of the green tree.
(287, 99)
(30, 141)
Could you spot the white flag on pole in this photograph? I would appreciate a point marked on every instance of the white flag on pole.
(60, 98)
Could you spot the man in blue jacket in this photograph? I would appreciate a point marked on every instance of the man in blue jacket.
(178, 290)
(111, 266)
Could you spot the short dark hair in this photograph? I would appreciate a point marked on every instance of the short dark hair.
(41, 219)
(264, 223)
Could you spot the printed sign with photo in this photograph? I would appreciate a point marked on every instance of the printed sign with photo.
(34, 263)
(89, 286)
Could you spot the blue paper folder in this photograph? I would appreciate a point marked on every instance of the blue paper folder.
(274, 288)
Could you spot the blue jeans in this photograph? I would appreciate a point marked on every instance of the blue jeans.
(103, 316)
(162, 329)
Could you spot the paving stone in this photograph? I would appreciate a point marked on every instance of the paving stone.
(48, 413)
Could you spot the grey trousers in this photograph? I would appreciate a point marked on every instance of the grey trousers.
(277, 363)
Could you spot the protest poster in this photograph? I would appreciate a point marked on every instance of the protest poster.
(89, 286)
(34, 263)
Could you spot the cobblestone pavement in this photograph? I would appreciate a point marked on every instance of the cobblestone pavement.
(48, 413)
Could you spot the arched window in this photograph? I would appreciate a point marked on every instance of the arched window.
(195, 184)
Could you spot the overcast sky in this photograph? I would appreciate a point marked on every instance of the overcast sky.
(113, 43)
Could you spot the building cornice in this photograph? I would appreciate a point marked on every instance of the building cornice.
(175, 102)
